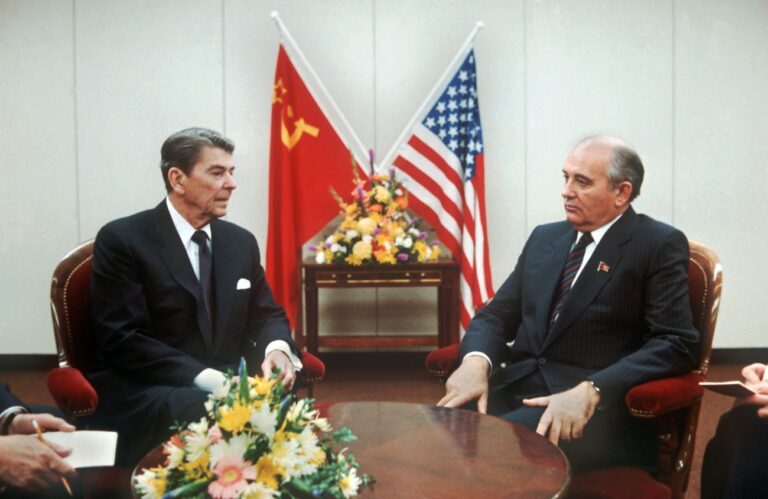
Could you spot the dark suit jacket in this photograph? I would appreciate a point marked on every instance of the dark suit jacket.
(620, 326)
(148, 308)
(7, 399)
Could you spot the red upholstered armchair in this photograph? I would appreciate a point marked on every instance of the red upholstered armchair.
(672, 403)
(71, 312)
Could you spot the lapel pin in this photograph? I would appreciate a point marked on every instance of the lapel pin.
(603, 267)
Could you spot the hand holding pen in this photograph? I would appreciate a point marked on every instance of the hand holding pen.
(57, 466)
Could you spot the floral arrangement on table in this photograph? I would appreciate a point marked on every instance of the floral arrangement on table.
(376, 227)
(256, 442)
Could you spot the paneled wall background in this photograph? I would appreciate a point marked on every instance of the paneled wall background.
(89, 90)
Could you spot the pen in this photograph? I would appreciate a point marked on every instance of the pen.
(64, 481)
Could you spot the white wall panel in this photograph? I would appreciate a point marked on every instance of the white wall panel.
(598, 67)
(145, 69)
(722, 152)
(38, 184)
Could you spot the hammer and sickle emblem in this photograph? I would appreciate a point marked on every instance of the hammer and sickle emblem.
(300, 127)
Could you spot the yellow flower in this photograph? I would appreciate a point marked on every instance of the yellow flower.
(435, 253)
(318, 457)
(366, 225)
(353, 260)
(160, 482)
(362, 250)
(197, 469)
(267, 471)
(381, 194)
(383, 256)
(351, 209)
(233, 419)
(262, 384)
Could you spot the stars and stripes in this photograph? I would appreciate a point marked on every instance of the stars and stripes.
(441, 164)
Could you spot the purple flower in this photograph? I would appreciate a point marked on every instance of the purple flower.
(422, 235)
(312, 247)
(403, 257)
(377, 231)
(326, 245)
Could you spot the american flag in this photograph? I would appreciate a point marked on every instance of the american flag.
(441, 165)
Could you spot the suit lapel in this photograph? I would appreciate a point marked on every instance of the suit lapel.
(592, 279)
(550, 277)
(224, 277)
(176, 260)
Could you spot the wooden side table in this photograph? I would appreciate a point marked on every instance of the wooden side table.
(443, 275)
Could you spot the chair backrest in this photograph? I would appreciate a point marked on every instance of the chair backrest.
(705, 283)
(71, 308)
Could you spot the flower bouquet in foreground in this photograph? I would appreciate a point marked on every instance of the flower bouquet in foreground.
(257, 441)
(376, 227)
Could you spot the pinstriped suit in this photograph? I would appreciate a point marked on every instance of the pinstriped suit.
(619, 327)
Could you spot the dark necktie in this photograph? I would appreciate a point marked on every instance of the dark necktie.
(201, 238)
(572, 265)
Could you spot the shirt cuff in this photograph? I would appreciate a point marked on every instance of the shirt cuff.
(481, 354)
(6, 417)
(286, 349)
(210, 380)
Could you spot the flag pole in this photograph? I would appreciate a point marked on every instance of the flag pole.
(430, 97)
(282, 29)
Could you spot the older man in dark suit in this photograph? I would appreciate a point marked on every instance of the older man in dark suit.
(178, 297)
(596, 304)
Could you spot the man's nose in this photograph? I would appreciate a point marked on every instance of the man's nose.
(229, 183)
(567, 191)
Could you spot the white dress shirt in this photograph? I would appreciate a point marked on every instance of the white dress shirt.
(209, 379)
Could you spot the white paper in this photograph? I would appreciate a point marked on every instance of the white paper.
(89, 448)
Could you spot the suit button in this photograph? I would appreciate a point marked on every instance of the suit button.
(542, 361)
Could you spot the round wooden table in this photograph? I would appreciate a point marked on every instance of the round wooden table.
(415, 450)
(418, 451)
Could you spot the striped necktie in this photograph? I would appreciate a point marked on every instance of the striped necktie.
(572, 265)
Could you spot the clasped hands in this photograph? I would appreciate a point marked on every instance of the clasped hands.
(565, 414)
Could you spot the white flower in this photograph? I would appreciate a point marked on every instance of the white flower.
(350, 483)
(343, 249)
(407, 242)
(367, 238)
(335, 247)
(414, 232)
(175, 455)
(399, 241)
(196, 443)
(350, 235)
(145, 483)
(322, 424)
(208, 405)
(399, 191)
(285, 454)
(256, 490)
(236, 445)
(264, 421)
(330, 239)
(320, 257)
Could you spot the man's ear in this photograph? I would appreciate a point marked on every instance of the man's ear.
(177, 178)
(624, 190)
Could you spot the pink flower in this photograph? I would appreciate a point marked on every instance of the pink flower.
(215, 434)
(232, 473)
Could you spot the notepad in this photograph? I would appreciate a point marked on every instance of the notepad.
(89, 448)
(730, 388)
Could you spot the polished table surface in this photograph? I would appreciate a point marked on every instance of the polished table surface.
(415, 450)
(418, 451)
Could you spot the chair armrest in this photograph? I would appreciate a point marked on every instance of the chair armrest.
(72, 392)
(442, 362)
(660, 396)
(313, 368)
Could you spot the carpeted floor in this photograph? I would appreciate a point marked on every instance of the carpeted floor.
(401, 377)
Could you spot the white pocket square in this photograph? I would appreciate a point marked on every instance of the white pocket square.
(243, 284)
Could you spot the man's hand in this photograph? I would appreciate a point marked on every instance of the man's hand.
(566, 413)
(753, 377)
(468, 382)
(22, 424)
(29, 465)
(278, 359)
